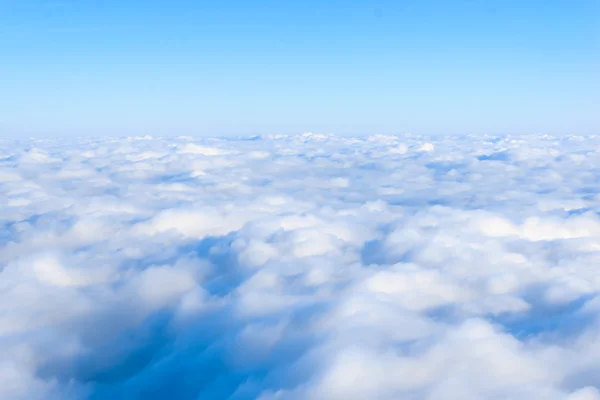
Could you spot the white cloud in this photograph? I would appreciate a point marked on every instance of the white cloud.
(300, 266)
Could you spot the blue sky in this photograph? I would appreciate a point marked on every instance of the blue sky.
(347, 67)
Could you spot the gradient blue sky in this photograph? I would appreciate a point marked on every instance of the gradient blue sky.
(250, 67)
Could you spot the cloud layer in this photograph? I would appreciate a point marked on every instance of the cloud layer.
(300, 267)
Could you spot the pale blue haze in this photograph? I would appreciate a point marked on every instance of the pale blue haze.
(347, 67)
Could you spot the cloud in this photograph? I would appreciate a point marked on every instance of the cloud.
(300, 266)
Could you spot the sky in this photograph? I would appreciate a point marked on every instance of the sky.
(349, 67)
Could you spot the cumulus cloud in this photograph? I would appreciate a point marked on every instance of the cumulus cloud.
(300, 266)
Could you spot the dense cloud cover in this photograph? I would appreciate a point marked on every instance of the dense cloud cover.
(300, 267)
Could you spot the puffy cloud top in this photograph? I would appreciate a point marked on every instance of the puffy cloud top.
(300, 267)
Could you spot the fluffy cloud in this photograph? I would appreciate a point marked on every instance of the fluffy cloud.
(304, 266)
